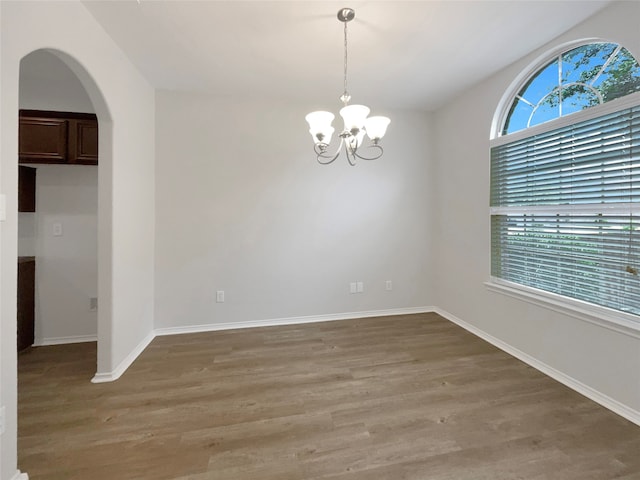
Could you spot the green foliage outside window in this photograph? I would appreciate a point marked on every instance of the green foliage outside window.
(580, 78)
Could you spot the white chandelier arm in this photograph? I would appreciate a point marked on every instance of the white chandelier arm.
(351, 155)
(378, 149)
(321, 152)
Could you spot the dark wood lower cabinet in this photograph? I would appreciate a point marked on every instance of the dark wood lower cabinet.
(26, 301)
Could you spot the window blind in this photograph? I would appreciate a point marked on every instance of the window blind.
(565, 210)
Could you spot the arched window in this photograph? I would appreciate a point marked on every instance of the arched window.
(565, 191)
(580, 78)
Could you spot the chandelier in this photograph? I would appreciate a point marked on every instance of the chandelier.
(356, 122)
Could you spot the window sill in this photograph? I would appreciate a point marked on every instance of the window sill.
(620, 322)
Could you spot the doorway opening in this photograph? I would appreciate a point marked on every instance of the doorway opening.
(58, 225)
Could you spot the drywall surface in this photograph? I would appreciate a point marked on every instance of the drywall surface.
(47, 83)
(243, 207)
(603, 361)
(124, 104)
(66, 253)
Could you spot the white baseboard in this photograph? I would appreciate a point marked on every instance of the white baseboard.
(20, 476)
(43, 342)
(290, 320)
(589, 392)
(102, 377)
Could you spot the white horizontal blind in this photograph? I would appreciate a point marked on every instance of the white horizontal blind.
(565, 211)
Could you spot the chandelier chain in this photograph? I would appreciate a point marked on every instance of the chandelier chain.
(346, 93)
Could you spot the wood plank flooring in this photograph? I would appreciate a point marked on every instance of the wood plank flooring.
(396, 398)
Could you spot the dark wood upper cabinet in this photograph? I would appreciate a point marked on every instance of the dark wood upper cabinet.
(43, 140)
(58, 137)
(83, 142)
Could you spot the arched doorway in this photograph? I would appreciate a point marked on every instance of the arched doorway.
(93, 96)
(58, 215)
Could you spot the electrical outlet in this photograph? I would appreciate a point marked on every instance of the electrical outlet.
(93, 304)
(220, 296)
(57, 229)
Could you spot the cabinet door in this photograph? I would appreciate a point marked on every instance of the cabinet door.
(43, 140)
(83, 142)
(26, 303)
(26, 189)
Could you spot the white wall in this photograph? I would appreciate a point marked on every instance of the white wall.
(27, 234)
(124, 103)
(8, 365)
(603, 361)
(47, 83)
(66, 265)
(242, 206)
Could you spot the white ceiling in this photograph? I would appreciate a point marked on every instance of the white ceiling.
(413, 54)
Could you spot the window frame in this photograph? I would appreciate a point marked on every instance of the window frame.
(609, 318)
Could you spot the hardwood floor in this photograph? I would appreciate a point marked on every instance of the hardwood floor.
(396, 398)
